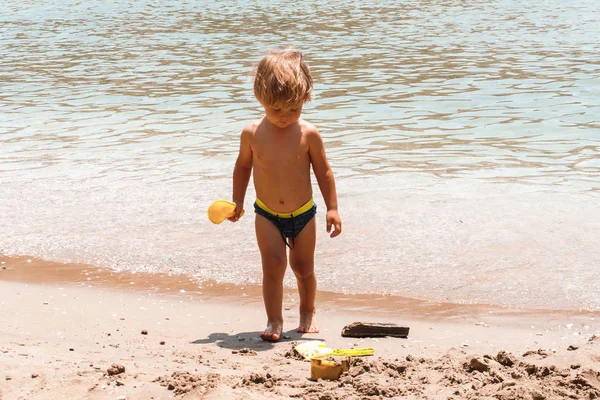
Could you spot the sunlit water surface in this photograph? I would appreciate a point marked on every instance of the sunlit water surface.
(464, 137)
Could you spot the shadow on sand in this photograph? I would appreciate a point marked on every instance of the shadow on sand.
(251, 340)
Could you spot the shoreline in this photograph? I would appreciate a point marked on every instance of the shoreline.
(33, 270)
(62, 337)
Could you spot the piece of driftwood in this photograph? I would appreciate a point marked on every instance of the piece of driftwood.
(369, 329)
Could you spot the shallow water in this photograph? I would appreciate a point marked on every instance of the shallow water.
(464, 137)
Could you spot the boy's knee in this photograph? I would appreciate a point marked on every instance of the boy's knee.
(303, 270)
(274, 263)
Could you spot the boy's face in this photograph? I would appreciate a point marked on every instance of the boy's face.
(282, 116)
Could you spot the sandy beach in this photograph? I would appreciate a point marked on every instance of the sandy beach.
(71, 331)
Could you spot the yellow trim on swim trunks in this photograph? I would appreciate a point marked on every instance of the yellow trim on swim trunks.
(299, 211)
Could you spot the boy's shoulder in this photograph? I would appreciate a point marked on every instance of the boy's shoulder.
(252, 127)
(310, 132)
(308, 128)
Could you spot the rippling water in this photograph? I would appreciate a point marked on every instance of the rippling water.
(464, 136)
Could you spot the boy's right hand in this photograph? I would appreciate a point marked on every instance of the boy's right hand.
(239, 209)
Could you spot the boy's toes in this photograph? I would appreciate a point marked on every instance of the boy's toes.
(307, 329)
(272, 333)
(269, 336)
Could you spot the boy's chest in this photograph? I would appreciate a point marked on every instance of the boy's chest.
(280, 152)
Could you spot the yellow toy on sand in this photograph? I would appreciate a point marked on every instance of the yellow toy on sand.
(323, 362)
(312, 349)
(220, 210)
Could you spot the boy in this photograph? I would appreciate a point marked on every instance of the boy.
(280, 148)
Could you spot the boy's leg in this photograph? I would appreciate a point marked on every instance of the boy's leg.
(302, 261)
(274, 262)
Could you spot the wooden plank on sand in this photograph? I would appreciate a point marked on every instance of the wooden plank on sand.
(374, 329)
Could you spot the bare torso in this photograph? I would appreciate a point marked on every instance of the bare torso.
(281, 165)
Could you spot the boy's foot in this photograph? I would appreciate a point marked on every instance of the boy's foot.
(273, 332)
(308, 322)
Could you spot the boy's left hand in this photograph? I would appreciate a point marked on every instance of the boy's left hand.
(333, 219)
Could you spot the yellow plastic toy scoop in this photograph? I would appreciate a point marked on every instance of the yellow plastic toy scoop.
(362, 351)
(310, 350)
(220, 210)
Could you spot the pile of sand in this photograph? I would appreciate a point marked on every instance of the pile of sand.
(534, 375)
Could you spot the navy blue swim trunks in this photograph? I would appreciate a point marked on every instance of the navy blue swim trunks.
(289, 224)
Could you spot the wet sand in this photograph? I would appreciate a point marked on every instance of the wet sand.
(63, 327)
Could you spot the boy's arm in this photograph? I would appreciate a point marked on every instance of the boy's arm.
(325, 179)
(242, 172)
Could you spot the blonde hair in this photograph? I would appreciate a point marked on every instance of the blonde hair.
(282, 78)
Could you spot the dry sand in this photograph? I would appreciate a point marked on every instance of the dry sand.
(73, 332)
